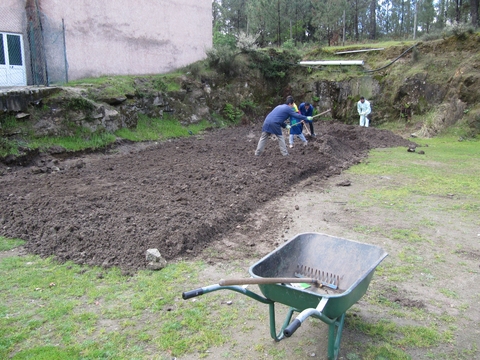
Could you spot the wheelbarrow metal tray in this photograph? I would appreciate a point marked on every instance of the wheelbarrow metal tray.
(352, 261)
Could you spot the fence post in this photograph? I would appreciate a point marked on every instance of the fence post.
(65, 51)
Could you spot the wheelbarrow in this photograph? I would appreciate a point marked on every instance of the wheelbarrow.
(336, 274)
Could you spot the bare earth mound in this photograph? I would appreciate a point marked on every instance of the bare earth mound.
(176, 196)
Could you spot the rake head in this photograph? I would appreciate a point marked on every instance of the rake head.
(326, 279)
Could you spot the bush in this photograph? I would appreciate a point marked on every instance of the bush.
(289, 44)
(195, 69)
(222, 58)
(223, 40)
(274, 65)
(232, 114)
(247, 43)
(459, 30)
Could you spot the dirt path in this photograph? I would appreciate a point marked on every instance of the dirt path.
(177, 196)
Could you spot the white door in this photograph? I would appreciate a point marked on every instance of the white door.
(12, 60)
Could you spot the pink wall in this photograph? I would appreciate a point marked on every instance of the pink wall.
(118, 37)
(12, 16)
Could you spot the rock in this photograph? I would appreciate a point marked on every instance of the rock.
(114, 100)
(297, 207)
(37, 170)
(421, 152)
(155, 260)
(152, 255)
(21, 116)
(155, 265)
(344, 183)
(56, 150)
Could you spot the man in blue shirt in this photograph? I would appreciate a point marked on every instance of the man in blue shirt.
(275, 121)
(307, 110)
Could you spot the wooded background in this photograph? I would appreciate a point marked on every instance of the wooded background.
(331, 22)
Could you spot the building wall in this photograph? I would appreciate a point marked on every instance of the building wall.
(119, 37)
(12, 16)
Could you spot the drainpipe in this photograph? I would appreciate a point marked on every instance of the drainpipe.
(333, 62)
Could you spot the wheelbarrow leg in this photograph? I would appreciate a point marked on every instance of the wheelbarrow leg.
(334, 337)
(273, 332)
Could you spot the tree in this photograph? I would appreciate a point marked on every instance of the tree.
(373, 19)
(426, 15)
(328, 18)
(474, 5)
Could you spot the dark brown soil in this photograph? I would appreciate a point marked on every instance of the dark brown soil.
(177, 196)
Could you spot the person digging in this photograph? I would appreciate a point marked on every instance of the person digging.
(275, 121)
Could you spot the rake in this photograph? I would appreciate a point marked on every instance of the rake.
(325, 278)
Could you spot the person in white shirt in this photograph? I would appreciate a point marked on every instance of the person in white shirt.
(364, 109)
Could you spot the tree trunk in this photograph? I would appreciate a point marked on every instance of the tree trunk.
(373, 19)
(357, 37)
(474, 12)
(415, 21)
(278, 24)
(457, 11)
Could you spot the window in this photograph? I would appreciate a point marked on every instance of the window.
(2, 51)
(14, 50)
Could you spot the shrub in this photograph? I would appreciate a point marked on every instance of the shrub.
(247, 43)
(232, 114)
(274, 65)
(222, 58)
(223, 40)
(459, 30)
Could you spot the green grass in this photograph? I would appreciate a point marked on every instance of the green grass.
(81, 141)
(114, 86)
(66, 311)
(147, 129)
(9, 244)
(390, 334)
(160, 129)
(448, 168)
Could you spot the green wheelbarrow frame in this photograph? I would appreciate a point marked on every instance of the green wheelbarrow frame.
(354, 262)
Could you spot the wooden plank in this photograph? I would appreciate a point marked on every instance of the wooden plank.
(357, 51)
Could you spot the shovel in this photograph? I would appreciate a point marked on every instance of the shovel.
(300, 123)
(322, 113)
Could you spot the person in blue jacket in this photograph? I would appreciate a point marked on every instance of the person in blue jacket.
(297, 129)
(275, 121)
(307, 110)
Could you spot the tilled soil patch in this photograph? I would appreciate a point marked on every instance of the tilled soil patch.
(177, 196)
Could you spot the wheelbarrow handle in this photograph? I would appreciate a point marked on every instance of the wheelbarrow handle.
(192, 293)
(240, 289)
(290, 329)
(295, 324)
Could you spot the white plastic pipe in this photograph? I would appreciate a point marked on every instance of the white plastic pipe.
(333, 62)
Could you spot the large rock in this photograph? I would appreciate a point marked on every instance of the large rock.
(154, 259)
